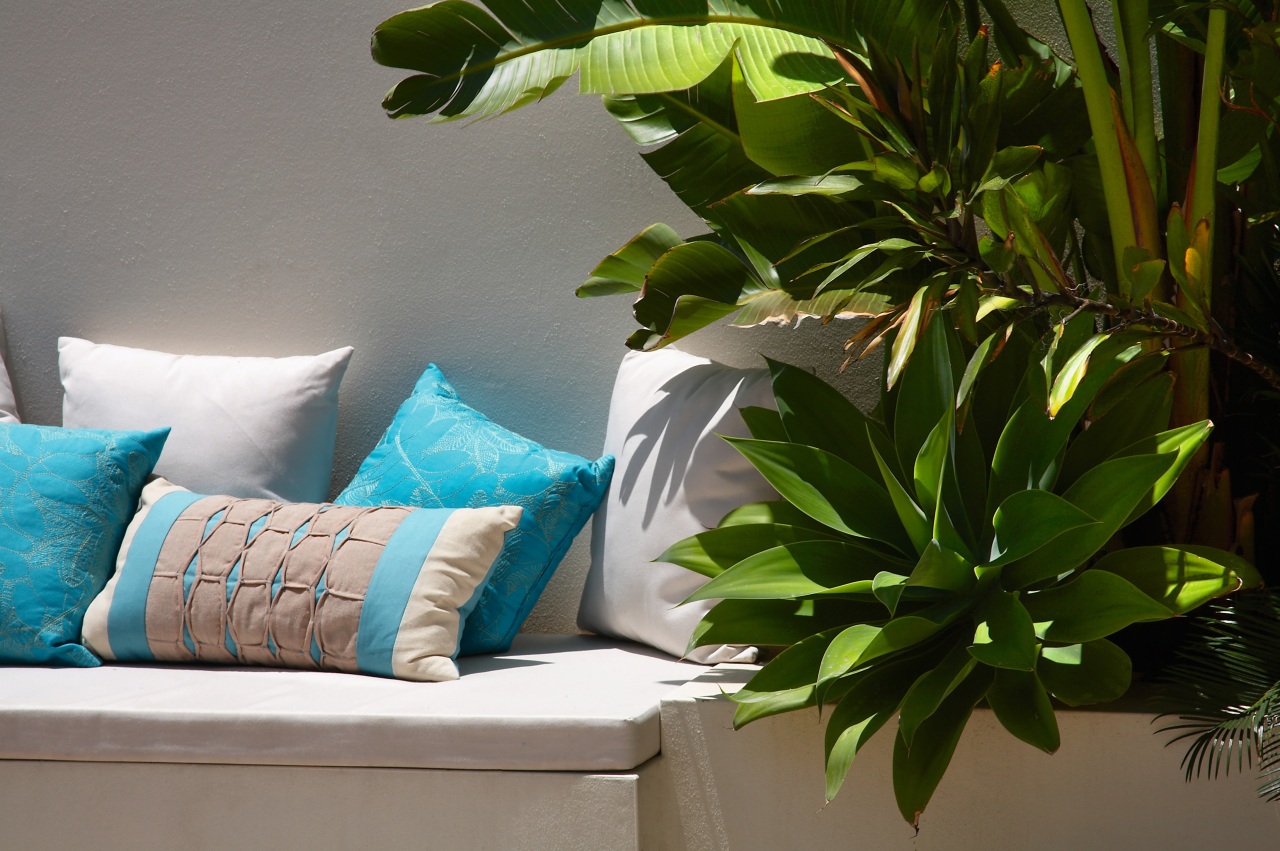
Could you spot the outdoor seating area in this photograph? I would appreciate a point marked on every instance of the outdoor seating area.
(840, 425)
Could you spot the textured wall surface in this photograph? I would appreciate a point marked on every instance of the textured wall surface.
(218, 178)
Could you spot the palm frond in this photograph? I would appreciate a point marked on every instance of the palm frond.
(1224, 690)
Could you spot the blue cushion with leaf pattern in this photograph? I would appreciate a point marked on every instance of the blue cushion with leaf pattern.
(66, 497)
(440, 453)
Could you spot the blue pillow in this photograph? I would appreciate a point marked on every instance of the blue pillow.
(440, 453)
(66, 496)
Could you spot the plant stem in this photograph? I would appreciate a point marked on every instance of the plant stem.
(1206, 161)
(1191, 391)
(1139, 96)
(1163, 325)
(1097, 97)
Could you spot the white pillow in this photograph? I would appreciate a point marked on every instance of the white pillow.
(674, 478)
(8, 405)
(245, 427)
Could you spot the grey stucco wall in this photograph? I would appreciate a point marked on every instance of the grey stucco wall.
(218, 178)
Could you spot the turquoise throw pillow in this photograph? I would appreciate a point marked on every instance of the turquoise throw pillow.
(66, 497)
(440, 453)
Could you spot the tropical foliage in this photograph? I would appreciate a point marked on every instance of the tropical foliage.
(1225, 691)
(938, 559)
(965, 190)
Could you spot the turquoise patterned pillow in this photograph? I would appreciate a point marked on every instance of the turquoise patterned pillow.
(440, 453)
(66, 496)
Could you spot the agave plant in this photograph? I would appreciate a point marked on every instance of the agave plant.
(919, 566)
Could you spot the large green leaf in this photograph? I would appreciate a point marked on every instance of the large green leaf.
(1072, 374)
(1022, 706)
(864, 709)
(1030, 443)
(911, 516)
(763, 423)
(473, 63)
(816, 414)
(712, 552)
(864, 643)
(1142, 413)
(793, 135)
(918, 767)
(1029, 520)
(777, 511)
(691, 286)
(1005, 636)
(1181, 444)
(928, 390)
(1091, 606)
(1109, 494)
(942, 569)
(1181, 578)
(799, 569)
(777, 623)
(1081, 674)
(787, 683)
(927, 693)
(476, 64)
(625, 270)
(934, 462)
(691, 139)
(826, 488)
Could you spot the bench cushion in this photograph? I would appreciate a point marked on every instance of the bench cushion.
(557, 703)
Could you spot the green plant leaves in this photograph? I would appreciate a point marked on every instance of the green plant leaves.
(1181, 578)
(863, 643)
(1108, 493)
(1142, 413)
(786, 683)
(918, 767)
(927, 693)
(778, 623)
(1082, 674)
(1072, 373)
(1031, 519)
(1022, 706)
(712, 552)
(691, 139)
(691, 286)
(826, 488)
(816, 414)
(869, 702)
(1091, 606)
(799, 569)
(1005, 636)
(625, 270)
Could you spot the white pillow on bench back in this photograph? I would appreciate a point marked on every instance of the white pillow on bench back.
(242, 426)
(8, 405)
(674, 478)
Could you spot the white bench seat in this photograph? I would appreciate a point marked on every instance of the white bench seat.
(552, 703)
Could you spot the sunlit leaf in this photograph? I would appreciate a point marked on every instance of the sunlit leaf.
(1082, 674)
(1094, 605)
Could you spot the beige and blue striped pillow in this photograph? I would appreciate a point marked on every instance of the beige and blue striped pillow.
(222, 580)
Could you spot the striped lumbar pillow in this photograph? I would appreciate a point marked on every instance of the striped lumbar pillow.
(216, 579)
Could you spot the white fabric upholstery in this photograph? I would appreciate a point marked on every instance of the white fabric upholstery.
(674, 478)
(130, 806)
(8, 405)
(553, 703)
(247, 427)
